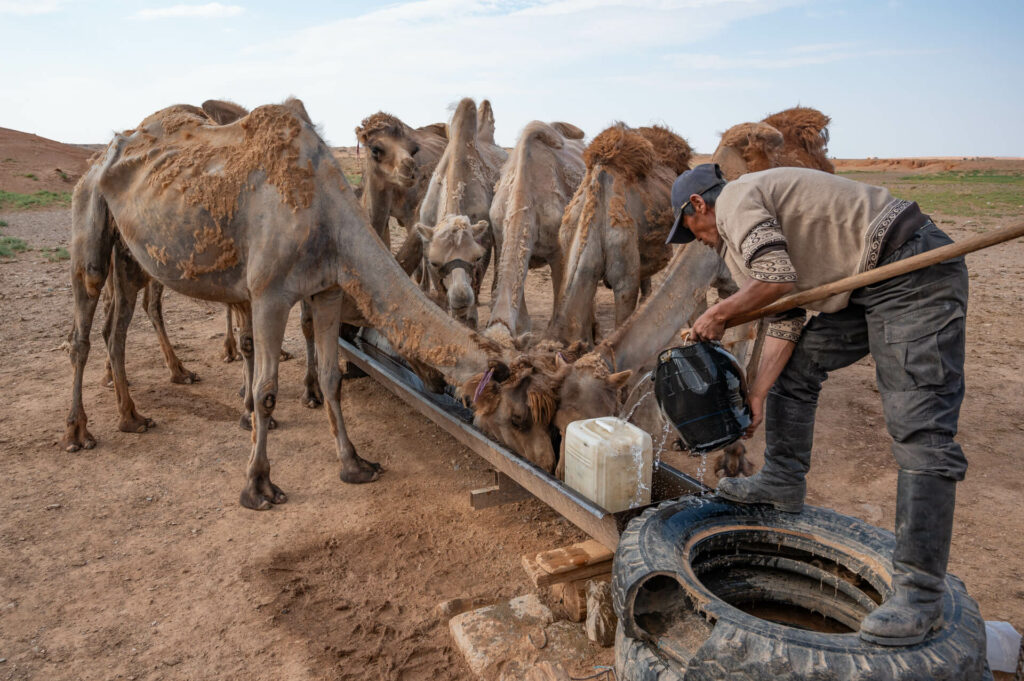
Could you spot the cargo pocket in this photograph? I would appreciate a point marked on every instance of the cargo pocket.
(928, 343)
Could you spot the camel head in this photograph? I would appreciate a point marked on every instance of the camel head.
(390, 149)
(519, 410)
(453, 249)
(805, 131)
(588, 389)
(747, 148)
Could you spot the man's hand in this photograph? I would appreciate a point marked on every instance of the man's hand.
(709, 326)
(756, 415)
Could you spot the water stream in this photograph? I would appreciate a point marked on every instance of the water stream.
(650, 391)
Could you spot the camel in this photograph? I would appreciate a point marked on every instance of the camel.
(794, 137)
(615, 226)
(733, 462)
(463, 181)
(453, 250)
(257, 215)
(396, 169)
(541, 175)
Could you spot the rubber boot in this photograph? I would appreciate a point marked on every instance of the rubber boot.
(924, 529)
(789, 432)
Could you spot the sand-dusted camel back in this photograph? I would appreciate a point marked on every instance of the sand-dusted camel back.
(538, 180)
(614, 228)
(397, 166)
(256, 214)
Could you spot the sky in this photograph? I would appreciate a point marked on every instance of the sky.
(898, 77)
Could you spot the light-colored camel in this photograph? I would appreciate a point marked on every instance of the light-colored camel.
(397, 167)
(452, 252)
(463, 181)
(541, 175)
(257, 215)
(614, 228)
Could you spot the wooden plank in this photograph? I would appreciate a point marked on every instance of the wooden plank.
(567, 558)
(503, 491)
(541, 577)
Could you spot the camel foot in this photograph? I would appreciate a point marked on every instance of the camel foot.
(136, 423)
(360, 471)
(77, 438)
(245, 422)
(285, 356)
(108, 383)
(228, 358)
(314, 397)
(184, 377)
(261, 494)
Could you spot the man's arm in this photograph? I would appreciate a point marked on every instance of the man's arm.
(754, 295)
(774, 357)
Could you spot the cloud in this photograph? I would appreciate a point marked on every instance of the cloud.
(792, 57)
(27, 7)
(212, 10)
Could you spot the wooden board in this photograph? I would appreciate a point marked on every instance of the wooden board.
(568, 564)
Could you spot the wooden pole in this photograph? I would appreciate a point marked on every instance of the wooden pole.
(936, 255)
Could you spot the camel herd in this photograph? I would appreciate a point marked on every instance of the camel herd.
(251, 209)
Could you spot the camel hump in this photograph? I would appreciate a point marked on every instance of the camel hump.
(485, 122)
(622, 149)
(542, 132)
(380, 123)
(439, 129)
(295, 105)
(568, 130)
(463, 125)
(223, 111)
(669, 148)
(801, 123)
(761, 135)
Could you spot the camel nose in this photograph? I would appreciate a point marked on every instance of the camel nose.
(460, 298)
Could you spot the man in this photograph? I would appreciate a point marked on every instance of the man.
(791, 229)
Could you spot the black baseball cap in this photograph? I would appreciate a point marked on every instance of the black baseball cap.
(696, 181)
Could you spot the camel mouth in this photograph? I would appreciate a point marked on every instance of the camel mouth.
(406, 180)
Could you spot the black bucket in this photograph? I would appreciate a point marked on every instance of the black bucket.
(701, 391)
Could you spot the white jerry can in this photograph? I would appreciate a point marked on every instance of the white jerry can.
(609, 461)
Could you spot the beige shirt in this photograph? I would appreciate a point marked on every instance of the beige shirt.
(802, 226)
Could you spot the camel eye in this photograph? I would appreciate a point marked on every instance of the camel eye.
(377, 152)
(415, 150)
(520, 421)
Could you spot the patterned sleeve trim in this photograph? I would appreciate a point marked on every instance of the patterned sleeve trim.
(762, 236)
(787, 329)
(773, 267)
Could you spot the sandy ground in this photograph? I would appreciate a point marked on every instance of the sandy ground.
(135, 561)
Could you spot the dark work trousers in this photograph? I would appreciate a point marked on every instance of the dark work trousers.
(913, 326)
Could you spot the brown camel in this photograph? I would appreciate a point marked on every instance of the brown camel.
(614, 228)
(397, 166)
(805, 131)
(541, 175)
(256, 215)
(453, 250)
(463, 181)
(747, 148)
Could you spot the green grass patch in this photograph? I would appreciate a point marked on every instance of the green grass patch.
(3, 223)
(31, 176)
(11, 246)
(974, 193)
(56, 254)
(354, 179)
(40, 199)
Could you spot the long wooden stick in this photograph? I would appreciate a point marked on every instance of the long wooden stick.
(936, 255)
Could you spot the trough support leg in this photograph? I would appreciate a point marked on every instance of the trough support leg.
(505, 490)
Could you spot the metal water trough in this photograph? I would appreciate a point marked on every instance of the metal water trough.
(373, 354)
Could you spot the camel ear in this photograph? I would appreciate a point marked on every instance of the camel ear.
(560, 361)
(523, 341)
(501, 370)
(479, 229)
(618, 380)
(426, 233)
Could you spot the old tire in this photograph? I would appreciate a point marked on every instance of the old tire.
(683, 571)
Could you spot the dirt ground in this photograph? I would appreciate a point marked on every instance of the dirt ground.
(135, 561)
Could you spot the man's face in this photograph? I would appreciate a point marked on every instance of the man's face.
(702, 222)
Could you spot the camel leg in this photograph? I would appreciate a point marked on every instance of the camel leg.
(326, 320)
(313, 397)
(108, 326)
(92, 238)
(128, 281)
(621, 272)
(243, 313)
(271, 318)
(557, 272)
(645, 288)
(152, 302)
(230, 348)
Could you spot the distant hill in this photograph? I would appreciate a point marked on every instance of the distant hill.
(30, 163)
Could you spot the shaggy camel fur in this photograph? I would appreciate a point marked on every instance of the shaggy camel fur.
(747, 148)
(805, 131)
(396, 169)
(256, 215)
(540, 176)
(615, 226)
(452, 252)
(463, 182)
